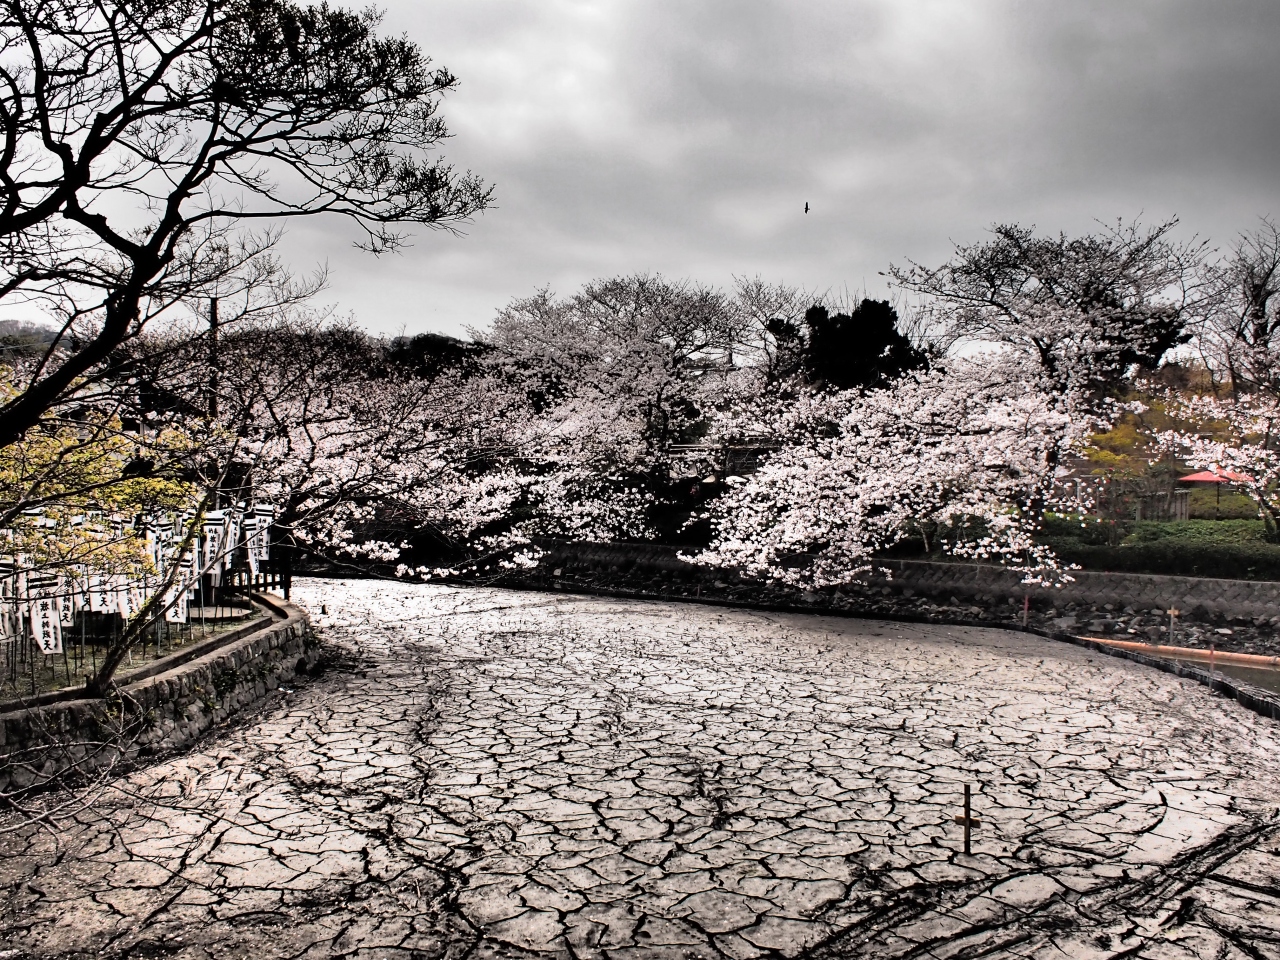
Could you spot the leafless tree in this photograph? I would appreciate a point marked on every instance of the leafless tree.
(1240, 335)
(770, 326)
(1098, 303)
(148, 145)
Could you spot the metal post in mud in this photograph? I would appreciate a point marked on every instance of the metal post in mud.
(967, 819)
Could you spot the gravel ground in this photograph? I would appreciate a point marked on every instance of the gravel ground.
(513, 774)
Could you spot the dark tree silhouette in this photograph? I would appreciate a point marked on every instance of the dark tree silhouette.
(859, 350)
(430, 355)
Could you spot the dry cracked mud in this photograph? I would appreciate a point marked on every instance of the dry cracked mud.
(515, 775)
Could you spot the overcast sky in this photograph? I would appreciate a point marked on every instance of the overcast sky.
(685, 138)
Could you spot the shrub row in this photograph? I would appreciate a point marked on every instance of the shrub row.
(1191, 532)
(1245, 560)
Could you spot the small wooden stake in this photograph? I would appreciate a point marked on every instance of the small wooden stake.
(969, 821)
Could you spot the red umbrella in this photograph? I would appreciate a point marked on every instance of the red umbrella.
(1209, 476)
(1215, 476)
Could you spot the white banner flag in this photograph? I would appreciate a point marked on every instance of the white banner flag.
(233, 538)
(214, 530)
(67, 610)
(176, 600)
(46, 627)
(101, 597)
(130, 601)
(10, 620)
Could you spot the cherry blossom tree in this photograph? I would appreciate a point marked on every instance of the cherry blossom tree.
(597, 388)
(1239, 335)
(339, 439)
(769, 331)
(623, 393)
(966, 455)
(1227, 414)
(1039, 330)
(1237, 437)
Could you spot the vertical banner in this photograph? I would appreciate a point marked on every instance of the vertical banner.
(10, 627)
(251, 545)
(214, 530)
(46, 625)
(10, 618)
(233, 538)
(119, 597)
(101, 597)
(176, 603)
(67, 605)
(252, 531)
(130, 600)
(260, 545)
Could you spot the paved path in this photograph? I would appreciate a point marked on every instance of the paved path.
(519, 775)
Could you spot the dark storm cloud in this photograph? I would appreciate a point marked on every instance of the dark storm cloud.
(686, 137)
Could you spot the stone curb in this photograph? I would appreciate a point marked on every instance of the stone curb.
(165, 663)
(60, 741)
(1258, 700)
(1234, 597)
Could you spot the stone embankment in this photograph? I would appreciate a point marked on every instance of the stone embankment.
(165, 707)
(1232, 615)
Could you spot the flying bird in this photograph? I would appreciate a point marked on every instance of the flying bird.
(806, 206)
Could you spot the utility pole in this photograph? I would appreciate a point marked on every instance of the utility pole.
(213, 358)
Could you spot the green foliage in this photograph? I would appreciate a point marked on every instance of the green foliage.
(1243, 561)
(1227, 549)
(1199, 532)
(1205, 504)
(1073, 530)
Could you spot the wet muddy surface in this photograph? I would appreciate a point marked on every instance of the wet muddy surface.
(513, 774)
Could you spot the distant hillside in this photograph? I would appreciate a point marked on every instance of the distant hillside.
(17, 336)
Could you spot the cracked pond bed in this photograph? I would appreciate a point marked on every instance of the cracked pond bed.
(512, 774)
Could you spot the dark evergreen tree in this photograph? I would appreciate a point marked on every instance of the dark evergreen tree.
(859, 350)
(428, 355)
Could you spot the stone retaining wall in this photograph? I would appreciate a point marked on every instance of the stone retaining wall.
(1245, 598)
(168, 709)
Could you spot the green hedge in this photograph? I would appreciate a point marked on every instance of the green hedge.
(1228, 505)
(1199, 532)
(1246, 560)
(1230, 549)
(1225, 549)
